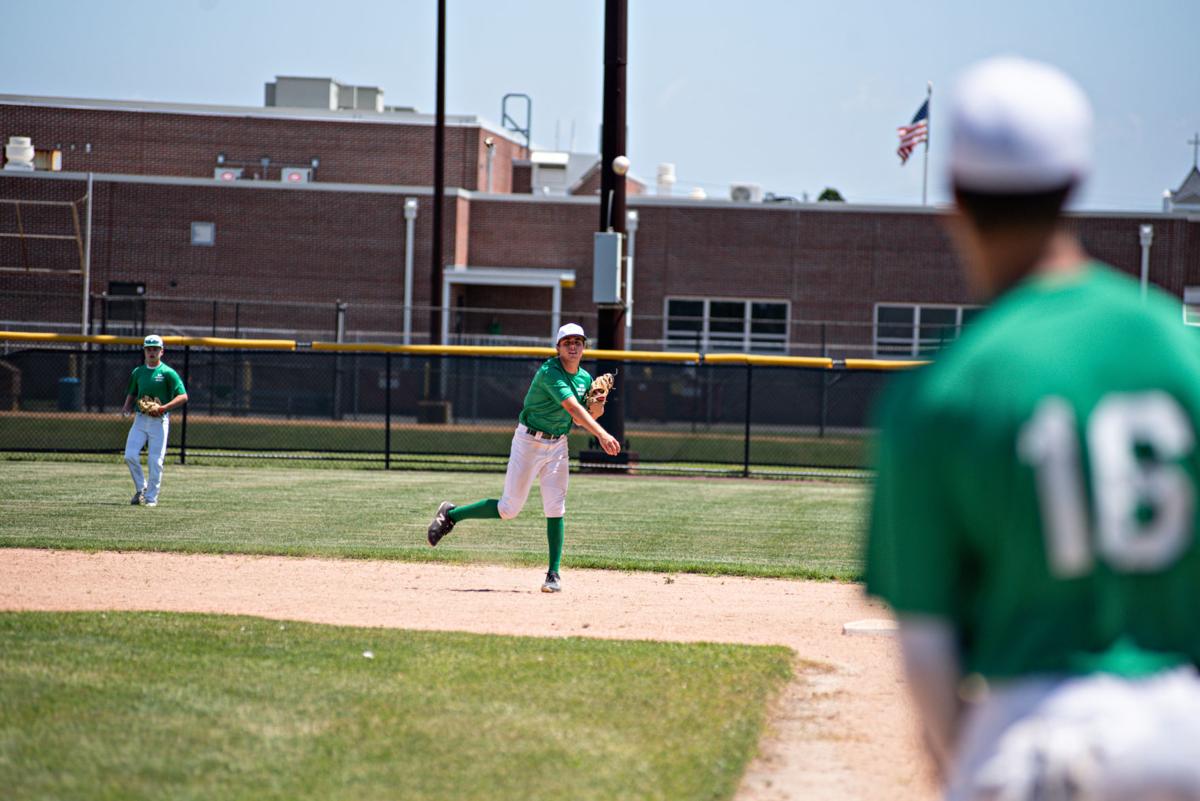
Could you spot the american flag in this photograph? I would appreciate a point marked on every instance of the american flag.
(914, 133)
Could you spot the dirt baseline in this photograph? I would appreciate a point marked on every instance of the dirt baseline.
(844, 730)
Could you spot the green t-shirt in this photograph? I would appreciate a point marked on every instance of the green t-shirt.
(159, 382)
(551, 385)
(1037, 485)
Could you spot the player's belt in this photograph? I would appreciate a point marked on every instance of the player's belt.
(533, 432)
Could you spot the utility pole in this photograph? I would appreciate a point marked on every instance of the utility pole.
(439, 183)
(610, 323)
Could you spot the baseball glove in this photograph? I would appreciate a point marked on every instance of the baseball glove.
(601, 386)
(147, 404)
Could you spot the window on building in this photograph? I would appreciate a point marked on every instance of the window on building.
(685, 324)
(727, 326)
(204, 234)
(769, 325)
(907, 330)
(1191, 305)
(734, 326)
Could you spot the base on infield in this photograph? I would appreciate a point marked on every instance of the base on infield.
(870, 626)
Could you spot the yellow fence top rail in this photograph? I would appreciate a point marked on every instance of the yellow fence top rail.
(429, 350)
(222, 342)
(491, 350)
(675, 357)
(769, 361)
(882, 364)
(108, 339)
(662, 357)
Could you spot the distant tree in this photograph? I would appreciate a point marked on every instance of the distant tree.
(831, 194)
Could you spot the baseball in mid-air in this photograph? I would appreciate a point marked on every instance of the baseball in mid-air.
(620, 165)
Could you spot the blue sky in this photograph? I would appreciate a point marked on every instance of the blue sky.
(794, 96)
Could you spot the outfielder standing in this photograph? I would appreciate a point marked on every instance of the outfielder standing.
(157, 390)
(1034, 522)
(539, 448)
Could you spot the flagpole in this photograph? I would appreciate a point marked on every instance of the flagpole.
(928, 125)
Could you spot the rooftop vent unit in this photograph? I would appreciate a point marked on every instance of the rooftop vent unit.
(20, 153)
(299, 92)
(666, 177)
(227, 173)
(746, 193)
(296, 175)
(550, 171)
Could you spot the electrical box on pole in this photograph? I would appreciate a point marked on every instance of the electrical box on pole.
(606, 268)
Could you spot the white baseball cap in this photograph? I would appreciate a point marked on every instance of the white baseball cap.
(152, 341)
(569, 330)
(1018, 126)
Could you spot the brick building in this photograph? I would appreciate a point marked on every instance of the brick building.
(266, 221)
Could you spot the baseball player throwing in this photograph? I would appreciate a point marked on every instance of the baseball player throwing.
(156, 390)
(556, 399)
(1034, 522)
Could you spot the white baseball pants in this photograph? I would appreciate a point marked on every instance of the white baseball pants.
(546, 460)
(150, 433)
(1099, 737)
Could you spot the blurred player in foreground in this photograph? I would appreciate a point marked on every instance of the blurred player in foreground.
(539, 448)
(1034, 519)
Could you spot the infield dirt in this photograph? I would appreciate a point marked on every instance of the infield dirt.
(843, 729)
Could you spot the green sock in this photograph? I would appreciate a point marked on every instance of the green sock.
(480, 510)
(554, 535)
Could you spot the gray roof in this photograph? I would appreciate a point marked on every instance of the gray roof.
(1189, 191)
(392, 116)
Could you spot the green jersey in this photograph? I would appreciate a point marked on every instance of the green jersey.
(158, 382)
(1037, 485)
(551, 386)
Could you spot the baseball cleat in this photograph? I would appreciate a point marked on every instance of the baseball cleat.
(442, 524)
(152, 503)
(551, 584)
(138, 499)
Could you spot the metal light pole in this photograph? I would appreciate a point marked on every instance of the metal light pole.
(490, 144)
(85, 317)
(631, 226)
(410, 220)
(1145, 236)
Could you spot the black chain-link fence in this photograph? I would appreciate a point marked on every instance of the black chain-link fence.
(399, 409)
(357, 322)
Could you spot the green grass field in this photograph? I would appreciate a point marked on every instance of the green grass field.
(153, 706)
(731, 526)
(149, 705)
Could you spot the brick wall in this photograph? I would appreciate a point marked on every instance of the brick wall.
(522, 178)
(157, 143)
(291, 253)
(274, 246)
(831, 263)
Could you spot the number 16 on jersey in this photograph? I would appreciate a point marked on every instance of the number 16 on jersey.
(1144, 499)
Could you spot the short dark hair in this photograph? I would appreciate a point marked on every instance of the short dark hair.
(992, 210)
